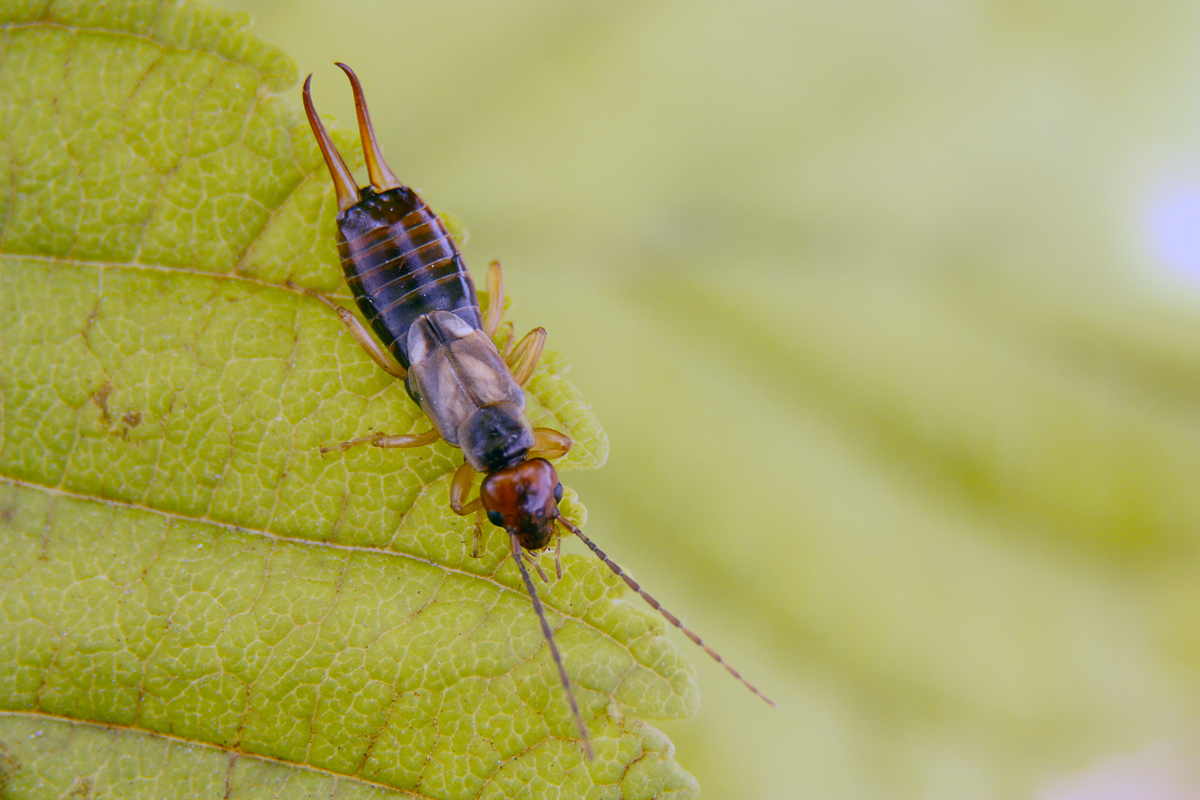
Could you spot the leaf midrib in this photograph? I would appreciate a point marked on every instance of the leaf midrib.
(233, 751)
(174, 516)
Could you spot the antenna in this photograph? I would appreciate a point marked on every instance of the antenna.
(562, 672)
(671, 618)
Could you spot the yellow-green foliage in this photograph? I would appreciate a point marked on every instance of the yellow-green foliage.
(194, 601)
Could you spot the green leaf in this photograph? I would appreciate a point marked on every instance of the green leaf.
(194, 601)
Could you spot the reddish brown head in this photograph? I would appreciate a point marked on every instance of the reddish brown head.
(523, 499)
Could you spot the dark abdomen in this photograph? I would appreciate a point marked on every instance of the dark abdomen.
(400, 263)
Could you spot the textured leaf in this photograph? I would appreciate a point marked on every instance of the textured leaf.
(898, 355)
(195, 601)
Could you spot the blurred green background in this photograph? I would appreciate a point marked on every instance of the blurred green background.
(892, 314)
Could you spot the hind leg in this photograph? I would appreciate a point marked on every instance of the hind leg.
(522, 357)
(495, 306)
(365, 338)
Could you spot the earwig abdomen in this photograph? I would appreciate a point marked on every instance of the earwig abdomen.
(401, 264)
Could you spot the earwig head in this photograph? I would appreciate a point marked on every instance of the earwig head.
(523, 499)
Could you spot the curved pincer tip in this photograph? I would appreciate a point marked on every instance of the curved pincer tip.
(382, 178)
(343, 180)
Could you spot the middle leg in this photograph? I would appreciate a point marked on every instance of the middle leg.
(383, 440)
(523, 358)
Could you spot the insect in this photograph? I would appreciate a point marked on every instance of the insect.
(410, 283)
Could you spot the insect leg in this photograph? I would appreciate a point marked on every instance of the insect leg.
(495, 290)
(460, 488)
(562, 671)
(558, 555)
(549, 444)
(383, 440)
(536, 565)
(361, 334)
(407, 439)
(525, 356)
(506, 335)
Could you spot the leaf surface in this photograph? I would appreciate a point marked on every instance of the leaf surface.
(195, 601)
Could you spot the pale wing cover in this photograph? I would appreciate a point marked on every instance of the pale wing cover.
(456, 369)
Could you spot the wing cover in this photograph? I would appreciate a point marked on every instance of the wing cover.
(455, 371)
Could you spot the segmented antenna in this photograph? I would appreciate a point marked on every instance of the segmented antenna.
(671, 618)
(562, 671)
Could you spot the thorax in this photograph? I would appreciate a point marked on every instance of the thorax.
(463, 385)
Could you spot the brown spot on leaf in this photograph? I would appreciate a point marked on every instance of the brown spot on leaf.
(9, 767)
(100, 398)
(130, 419)
(84, 788)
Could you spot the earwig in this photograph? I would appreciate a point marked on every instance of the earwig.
(411, 285)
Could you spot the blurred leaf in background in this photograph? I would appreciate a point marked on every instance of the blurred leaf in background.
(893, 335)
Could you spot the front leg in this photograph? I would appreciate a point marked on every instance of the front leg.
(549, 444)
(460, 489)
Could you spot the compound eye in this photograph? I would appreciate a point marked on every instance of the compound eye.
(496, 518)
(558, 493)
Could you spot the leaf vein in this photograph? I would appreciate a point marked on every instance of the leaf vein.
(277, 538)
(234, 752)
